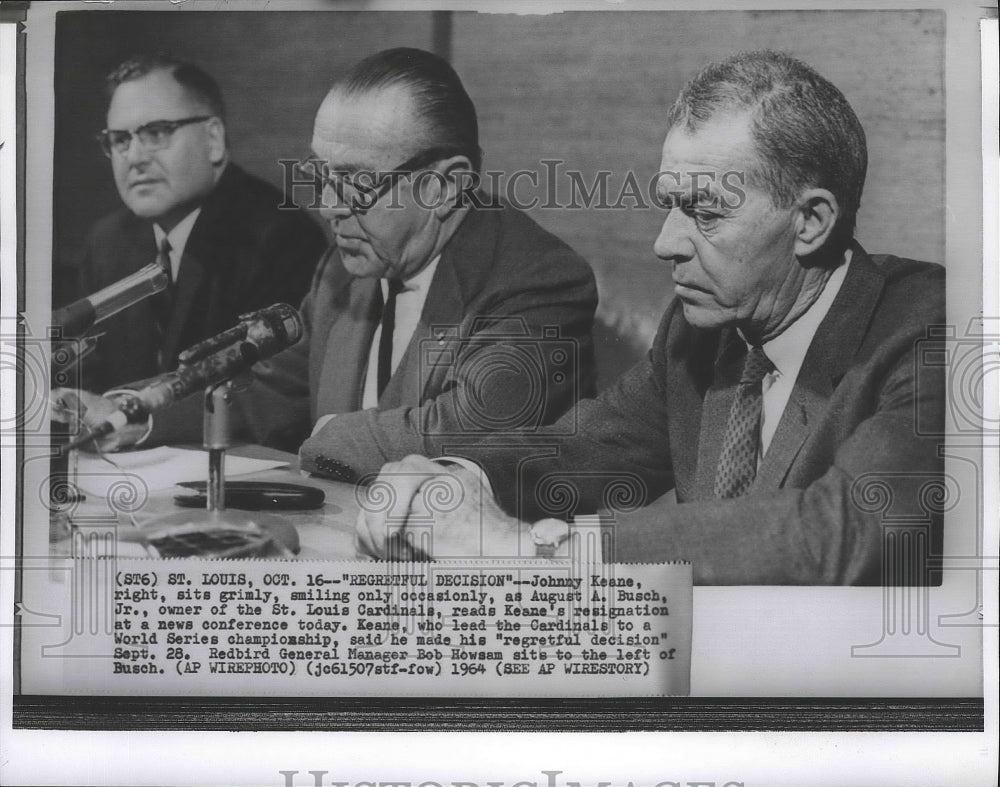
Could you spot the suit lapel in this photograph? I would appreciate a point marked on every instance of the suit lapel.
(805, 407)
(465, 260)
(348, 342)
(829, 356)
(189, 281)
(209, 254)
(439, 321)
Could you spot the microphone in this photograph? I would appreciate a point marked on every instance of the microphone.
(80, 315)
(259, 335)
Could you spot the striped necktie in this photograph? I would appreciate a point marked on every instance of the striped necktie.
(738, 460)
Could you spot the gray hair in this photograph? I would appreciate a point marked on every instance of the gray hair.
(804, 129)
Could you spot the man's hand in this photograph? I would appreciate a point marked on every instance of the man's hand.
(443, 511)
(86, 410)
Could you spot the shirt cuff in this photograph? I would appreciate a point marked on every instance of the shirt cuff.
(322, 421)
(551, 538)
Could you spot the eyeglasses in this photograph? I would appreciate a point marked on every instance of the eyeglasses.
(152, 136)
(359, 191)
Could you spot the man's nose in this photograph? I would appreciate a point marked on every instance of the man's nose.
(674, 242)
(136, 152)
(333, 208)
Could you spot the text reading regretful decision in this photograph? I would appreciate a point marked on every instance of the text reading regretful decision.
(493, 628)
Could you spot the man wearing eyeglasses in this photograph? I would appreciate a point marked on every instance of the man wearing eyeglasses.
(435, 315)
(216, 230)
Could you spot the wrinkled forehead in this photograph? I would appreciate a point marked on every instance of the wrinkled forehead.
(723, 144)
(154, 96)
(365, 130)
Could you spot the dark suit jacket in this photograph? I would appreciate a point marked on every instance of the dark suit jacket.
(855, 454)
(503, 342)
(243, 254)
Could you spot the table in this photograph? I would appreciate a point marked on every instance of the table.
(325, 533)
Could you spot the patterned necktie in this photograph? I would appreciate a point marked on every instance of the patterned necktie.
(738, 460)
(385, 341)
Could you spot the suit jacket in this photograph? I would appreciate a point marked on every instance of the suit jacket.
(243, 253)
(503, 343)
(854, 461)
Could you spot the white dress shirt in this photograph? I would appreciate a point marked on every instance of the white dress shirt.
(178, 238)
(409, 307)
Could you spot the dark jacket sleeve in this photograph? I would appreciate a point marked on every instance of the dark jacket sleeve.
(872, 518)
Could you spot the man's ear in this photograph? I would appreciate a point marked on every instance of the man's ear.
(447, 192)
(216, 131)
(816, 217)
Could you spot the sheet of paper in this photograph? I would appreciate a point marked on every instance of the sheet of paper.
(157, 468)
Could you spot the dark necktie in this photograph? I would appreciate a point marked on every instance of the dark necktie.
(738, 459)
(163, 260)
(385, 341)
(163, 301)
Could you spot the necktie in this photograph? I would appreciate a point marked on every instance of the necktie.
(163, 260)
(738, 459)
(385, 341)
(163, 301)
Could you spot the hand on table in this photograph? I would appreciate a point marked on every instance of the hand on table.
(443, 510)
(85, 409)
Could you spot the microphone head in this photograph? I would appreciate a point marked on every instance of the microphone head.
(274, 328)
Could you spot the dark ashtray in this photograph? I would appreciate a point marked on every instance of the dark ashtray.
(217, 543)
(256, 496)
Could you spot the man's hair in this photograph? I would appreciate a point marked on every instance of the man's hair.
(198, 83)
(805, 132)
(439, 99)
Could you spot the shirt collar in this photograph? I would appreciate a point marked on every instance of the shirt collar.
(418, 283)
(788, 349)
(179, 235)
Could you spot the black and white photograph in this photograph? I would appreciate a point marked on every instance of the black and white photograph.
(458, 371)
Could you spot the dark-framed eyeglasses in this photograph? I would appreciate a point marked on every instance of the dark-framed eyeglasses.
(153, 136)
(359, 191)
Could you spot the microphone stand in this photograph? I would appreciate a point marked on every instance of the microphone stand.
(216, 516)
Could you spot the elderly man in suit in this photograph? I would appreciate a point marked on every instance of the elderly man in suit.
(216, 230)
(783, 387)
(439, 312)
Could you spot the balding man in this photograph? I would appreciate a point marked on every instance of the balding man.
(783, 408)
